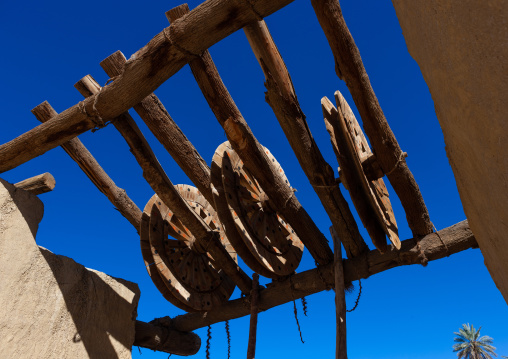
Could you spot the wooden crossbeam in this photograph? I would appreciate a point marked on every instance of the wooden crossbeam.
(433, 246)
(349, 67)
(282, 99)
(166, 339)
(161, 184)
(251, 152)
(89, 165)
(145, 71)
(158, 120)
(39, 184)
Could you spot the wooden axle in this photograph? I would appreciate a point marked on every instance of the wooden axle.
(145, 71)
(89, 165)
(433, 246)
(160, 183)
(251, 151)
(282, 98)
(349, 67)
(39, 184)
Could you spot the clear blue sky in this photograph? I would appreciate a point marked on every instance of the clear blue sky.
(408, 312)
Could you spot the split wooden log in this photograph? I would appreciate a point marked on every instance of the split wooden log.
(38, 184)
(282, 98)
(145, 71)
(251, 151)
(166, 339)
(349, 67)
(158, 120)
(89, 165)
(434, 246)
(162, 186)
(340, 298)
(254, 309)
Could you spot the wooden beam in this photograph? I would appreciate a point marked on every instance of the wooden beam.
(349, 67)
(166, 339)
(158, 120)
(89, 165)
(340, 298)
(434, 246)
(254, 309)
(282, 99)
(38, 184)
(145, 71)
(251, 152)
(160, 183)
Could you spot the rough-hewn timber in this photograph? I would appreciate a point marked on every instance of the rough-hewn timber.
(145, 71)
(282, 98)
(253, 324)
(251, 151)
(455, 239)
(38, 184)
(340, 298)
(89, 165)
(166, 339)
(349, 67)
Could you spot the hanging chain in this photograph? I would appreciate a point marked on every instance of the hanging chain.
(304, 305)
(294, 306)
(228, 334)
(208, 340)
(358, 298)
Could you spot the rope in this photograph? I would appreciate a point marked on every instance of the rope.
(304, 305)
(441, 239)
(401, 158)
(327, 286)
(358, 298)
(208, 340)
(294, 306)
(228, 334)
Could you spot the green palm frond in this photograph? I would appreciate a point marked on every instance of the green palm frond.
(469, 344)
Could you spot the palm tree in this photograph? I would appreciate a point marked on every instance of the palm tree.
(471, 346)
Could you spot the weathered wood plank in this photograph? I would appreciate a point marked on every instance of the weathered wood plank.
(251, 151)
(253, 324)
(161, 184)
(166, 339)
(455, 239)
(282, 98)
(39, 184)
(89, 165)
(349, 67)
(145, 71)
(158, 120)
(340, 299)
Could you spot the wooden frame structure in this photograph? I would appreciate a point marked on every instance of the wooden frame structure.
(186, 41)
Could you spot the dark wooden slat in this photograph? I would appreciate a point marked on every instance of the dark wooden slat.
(89, 165)
(39, 184)
(252, 153)
(145, 71)
(254, 309)
(282, 98)
(340, 299)
(349, 67)
(165, 339)
(454, 239)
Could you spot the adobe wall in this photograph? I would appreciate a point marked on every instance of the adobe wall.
(461, 47)
(51, 306)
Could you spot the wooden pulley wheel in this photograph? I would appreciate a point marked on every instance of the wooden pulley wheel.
(370, 196)
(189, 276)
(262, 238)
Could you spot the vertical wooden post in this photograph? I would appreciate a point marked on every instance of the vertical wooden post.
(254, 298)
(340, 298)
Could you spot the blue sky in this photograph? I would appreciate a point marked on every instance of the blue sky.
(408, 312)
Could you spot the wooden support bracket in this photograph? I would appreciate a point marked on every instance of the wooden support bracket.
(39, 184)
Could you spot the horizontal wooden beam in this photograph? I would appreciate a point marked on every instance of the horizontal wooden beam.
(434, 246)
(89, 165)
(282, 99)
(166, 339)
(38, 184)
(349, 67)
(145, 71)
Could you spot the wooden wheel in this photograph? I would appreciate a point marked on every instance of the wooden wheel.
(370, 197)
(191, 280)
(266, 243)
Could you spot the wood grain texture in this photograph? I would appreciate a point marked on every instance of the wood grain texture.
(455, 239)
(39, 184)
(156, 117)
(253, 324)
(282, 98)
(89, 165)
(145, 71)
(158, 180)
(251, 152)
(340, 299)
(349, 67)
